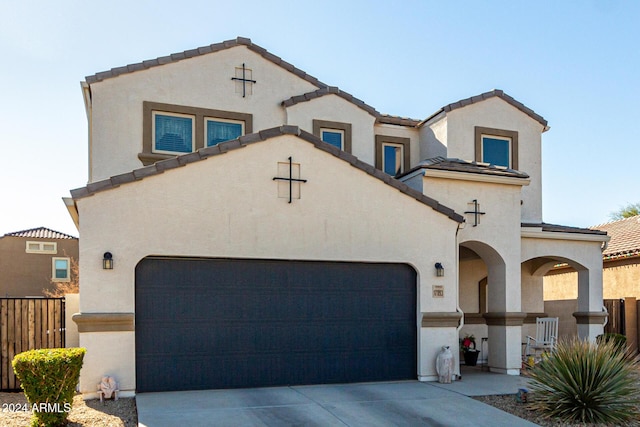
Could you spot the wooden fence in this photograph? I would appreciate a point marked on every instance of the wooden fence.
(623, 319)
(27, 324)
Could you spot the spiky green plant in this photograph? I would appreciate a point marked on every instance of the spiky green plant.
(587, 382)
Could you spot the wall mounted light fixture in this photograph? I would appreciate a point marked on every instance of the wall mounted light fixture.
(439, 269)
(107, 261)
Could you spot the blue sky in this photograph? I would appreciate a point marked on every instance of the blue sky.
(574, 62)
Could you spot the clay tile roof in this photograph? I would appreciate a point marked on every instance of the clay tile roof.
(397, 120)
(203, 153)
(332, 90)
(457, 165)
(40, 233)
(494, 93)
(554, 228)
(625, 238)
(204, 50)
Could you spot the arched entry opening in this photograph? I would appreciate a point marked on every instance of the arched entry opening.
(489, 291)
(554, 286)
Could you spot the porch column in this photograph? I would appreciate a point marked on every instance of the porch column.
(590, 316)
(505, 341)
(504, 319)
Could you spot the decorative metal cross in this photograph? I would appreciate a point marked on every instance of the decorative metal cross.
(290, 178)
(476, 212)
(244, 80)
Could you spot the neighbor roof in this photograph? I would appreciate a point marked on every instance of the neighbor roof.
(625, 238)
(203, 153)
(40, 233)
(458, 165)
(483, 96)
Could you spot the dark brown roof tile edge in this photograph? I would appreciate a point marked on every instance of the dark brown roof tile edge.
(554, 228)
(204, 50)
(478, 98)
(332, 90)
(224, 147)
(395, 120)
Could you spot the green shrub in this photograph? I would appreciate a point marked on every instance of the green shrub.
(618, 339)
(587, 382)
(49, 377)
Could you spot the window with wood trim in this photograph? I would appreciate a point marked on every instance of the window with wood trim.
(337, 134)
(170, 130)
(392, 154)
(497, 147)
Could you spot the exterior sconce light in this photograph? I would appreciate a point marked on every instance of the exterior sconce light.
(439, 269)
(107, 261)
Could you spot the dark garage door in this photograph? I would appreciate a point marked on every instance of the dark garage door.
(221, 323)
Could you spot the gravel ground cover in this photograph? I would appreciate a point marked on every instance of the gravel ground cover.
(508, 403)
(90, 413)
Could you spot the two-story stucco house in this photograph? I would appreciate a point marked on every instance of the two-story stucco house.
(266, 229)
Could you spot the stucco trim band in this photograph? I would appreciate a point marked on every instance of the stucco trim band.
(474, 319)
(532, 317)
(441, 319)
(590, 317)
(104, 322)
(505, 318)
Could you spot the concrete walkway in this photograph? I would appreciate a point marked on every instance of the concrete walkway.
(404, 403)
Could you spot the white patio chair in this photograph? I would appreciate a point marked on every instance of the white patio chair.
(546, 336)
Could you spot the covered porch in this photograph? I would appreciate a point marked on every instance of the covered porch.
(501, 301)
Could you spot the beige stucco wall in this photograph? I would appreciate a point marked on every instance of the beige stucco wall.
(433, 138)
(459, 139)
(471, 272)
(620, 279)
(228, 206)
(71, 306)
(203, 81)
(498, 231)
(402, 132)
(333, 108)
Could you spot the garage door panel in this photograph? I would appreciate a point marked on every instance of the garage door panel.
(248, 323)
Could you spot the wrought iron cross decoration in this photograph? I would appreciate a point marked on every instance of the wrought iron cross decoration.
(244, 80)
(476, 212)
(290, 178)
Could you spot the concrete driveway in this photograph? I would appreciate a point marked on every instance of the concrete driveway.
(404, 403)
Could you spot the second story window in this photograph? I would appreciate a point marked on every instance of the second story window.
(337, 134)
(60, 269)
(392, 154)
(334, 137)
(170, 130)
(497, 147)
(496, 150)
(42, 248)
(220, 130)
(173, 133)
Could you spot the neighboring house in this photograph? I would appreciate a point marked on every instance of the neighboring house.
(33, 260)
(267, 229)
(620, 272)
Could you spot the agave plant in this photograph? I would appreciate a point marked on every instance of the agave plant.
(587, 382)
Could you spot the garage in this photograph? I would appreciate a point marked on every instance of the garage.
(232, 323)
